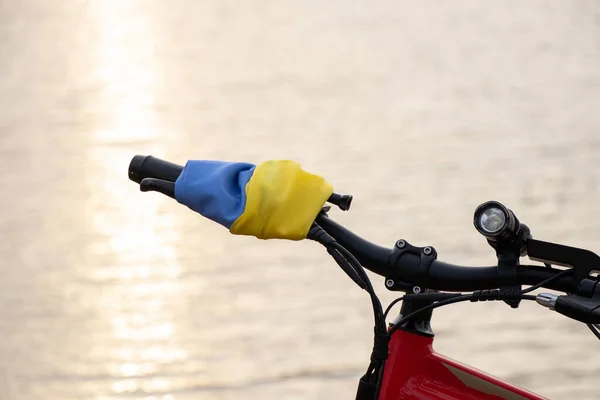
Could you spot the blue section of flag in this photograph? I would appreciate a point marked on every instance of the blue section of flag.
(215, 189)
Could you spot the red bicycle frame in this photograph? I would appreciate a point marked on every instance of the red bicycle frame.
(415, 371)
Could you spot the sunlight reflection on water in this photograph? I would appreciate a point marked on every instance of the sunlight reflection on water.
(135, 308)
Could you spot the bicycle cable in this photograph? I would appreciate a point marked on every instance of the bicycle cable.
(370, 383)
(392, 304)
(459, 298)
(546, 281)
(525, 291)
(595, 328)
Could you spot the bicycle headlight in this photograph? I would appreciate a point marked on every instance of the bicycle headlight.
(496, 222)
(492, 220)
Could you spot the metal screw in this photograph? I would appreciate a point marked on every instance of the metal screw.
(389, 283)
(416, 289)
(427, 250)
(401, 244)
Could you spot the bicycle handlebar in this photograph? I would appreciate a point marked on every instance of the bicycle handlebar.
(439, 275)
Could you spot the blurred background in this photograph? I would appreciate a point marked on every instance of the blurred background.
(421, 110)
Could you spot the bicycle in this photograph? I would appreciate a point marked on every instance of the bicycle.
(403, 364)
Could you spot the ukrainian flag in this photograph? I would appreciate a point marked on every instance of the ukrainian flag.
(273, 200)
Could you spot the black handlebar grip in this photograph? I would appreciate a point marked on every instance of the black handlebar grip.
(142, 167)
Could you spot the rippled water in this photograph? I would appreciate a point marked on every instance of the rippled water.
(421, 110)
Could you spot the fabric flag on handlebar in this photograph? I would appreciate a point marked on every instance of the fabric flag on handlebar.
(273, 200)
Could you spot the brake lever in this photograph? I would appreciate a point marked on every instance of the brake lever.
(579, 308)
(158, 185)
